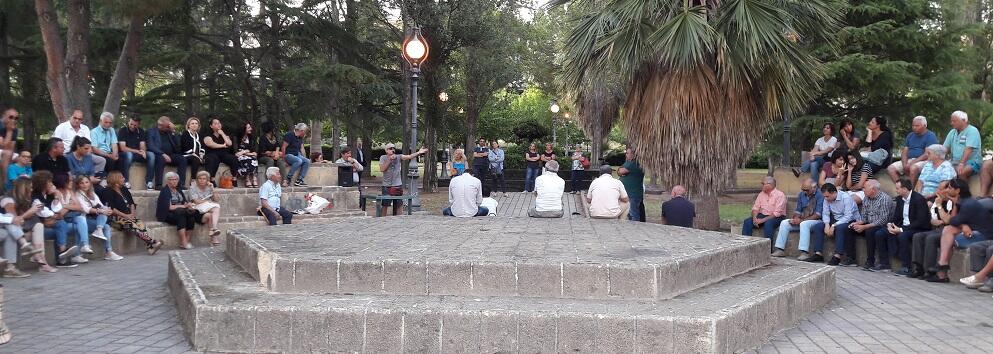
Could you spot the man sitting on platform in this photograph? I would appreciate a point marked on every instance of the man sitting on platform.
(270, 195)
(876, 210)
(910, 216)
(607, 197)
(839, 211)
(971, 224)
(678, 211)
(768, 210)
(465, 195)
(806, 219)
(549, 187)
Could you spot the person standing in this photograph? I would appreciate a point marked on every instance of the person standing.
(577, 168)
(965, 145)
(480, 159)
(389, 165)
(678, 211)
(533, 161)
(359, 156)
(132, 141)
(465, 197)
(496, 159)
(633, 179)
(548, 154)
(104, 140)
(913, 155)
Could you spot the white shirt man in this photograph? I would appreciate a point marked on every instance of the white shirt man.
(70, 129)
(549, 186)
(465, 195)
(607, 197)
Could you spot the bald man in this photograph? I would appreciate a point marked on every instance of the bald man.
(678, 211)
(806, 219)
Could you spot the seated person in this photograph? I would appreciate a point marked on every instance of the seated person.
(831, 171)
(839, 210)
(926, 244)
(822, 148)
(123, 211)
(270, 198)
(17, 207)
(768, 210)
(913, 155)
(549, 187)
(205, 202)
(934, 171)
(22, 167)
(80, 159)
(981, 262)
(489, 203)
(269, 152)
(678, 211)
(97, 214)
(973, 223)
(174, 208)
(347, 160)
(877, 210)
(465, 195)
(104, 140)
(986, 179)
(853, 178)
(910, 216)
(133, 145)
(607, 197)
(964, 144)
(806, 218)
(53, 160)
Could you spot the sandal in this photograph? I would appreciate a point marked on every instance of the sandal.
(45, 268)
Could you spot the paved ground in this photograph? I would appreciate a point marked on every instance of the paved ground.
(124, 307)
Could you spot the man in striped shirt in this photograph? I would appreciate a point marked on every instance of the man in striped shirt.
(876, 211)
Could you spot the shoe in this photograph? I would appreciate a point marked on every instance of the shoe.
(214, 241)
(815, 258)
(936, 279)
(79, 260)
(916, 271)
(779, 253)
(848, 262)
(86, 249)
(904, 271)
(834, 261)
(925, 275)
(14, 273)
(867, 267)
(971, 282)
(66, 263)
(98, 234)
(299, 183)
(64, 255)
(187, 246)
(149, 185)
(111, 256)
(154, 247)
(47, 269)
(881, 268)
(796, 172)
(804, 256)
(215, 232)
(28, 250)
(987, 286)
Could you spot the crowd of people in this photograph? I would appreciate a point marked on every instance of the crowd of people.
(932, 213)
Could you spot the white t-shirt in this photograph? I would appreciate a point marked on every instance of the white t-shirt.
(605, 193)
(549, 187)
(822, 144)
(65, 132)
(491, 205)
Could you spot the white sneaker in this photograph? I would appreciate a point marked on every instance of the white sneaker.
(86, 249)
(98, 233)
(970, 282)
(187, 246)
(111, 256)
(150, 185)
(79, 259)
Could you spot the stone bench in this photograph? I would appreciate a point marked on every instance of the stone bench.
(244, 201)
(319, 174)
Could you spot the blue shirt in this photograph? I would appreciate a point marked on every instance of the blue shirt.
(916, 143)
(931, 176)
(14, 171)
(84, 167)
(843, 209)
(956, 142)
(271, 192)
(803, 201)
(103, 139)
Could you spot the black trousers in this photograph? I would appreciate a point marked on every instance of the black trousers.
(271, 217)
(181, 162)
(182, 219)
(214, 160)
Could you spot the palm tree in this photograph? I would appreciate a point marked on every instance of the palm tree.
(702, 78)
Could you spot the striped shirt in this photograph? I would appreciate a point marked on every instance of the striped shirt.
(876, 211)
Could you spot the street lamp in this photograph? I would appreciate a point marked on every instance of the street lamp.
(554, 108)
(565, 119)
(443, 96)
(415, 51)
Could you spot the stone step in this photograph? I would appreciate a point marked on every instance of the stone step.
(553, 258)
(224, 309)
(244, 201)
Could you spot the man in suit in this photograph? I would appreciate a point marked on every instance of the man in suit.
(910, 216)
(359, 156)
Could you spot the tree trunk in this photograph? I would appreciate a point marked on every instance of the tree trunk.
(316, 136)
(335, 135)
(125, 65)
(48, 21)
(189, 71)
(30, 88)
(708, 215)
(77, 71)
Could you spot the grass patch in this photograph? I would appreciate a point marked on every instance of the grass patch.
(735, 212)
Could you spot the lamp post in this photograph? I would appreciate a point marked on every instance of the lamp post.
(415, 51)
(554, 108)
(443, 97)
(565, 120)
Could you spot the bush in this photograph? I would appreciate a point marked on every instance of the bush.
(530, 130)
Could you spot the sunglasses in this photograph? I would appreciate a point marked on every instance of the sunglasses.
(14, 117)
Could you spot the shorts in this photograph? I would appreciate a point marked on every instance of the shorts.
(975, 165)
(962, 242)
(898, 165)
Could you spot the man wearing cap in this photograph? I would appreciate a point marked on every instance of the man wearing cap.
(549, 186)
(389, 165)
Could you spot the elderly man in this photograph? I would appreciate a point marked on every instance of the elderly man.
(465, 197)
(133, 145)
(912, 156)
(607, 197)
(839, 211)
(876, 209)
(965, 145)
(163, 142)
(270, 195)
(104, 140)
(296, 154)
(70, 129)
(768, 210)
(806, 219)
(678, 211)
(549, 187)
(633, 179)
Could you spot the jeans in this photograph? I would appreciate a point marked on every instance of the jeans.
(529, 177)
(979, 254)
(637, 212)
(78, 222)
(58, 232)
(128, 158)
(768, 228)
(100, 222)
(266, 162)
(962, 242)
(499, 184)
(888, 244)
(271, 217)
(297, 163)
(806, 228)
(10, 247)
(483, 211)
(575, 180)
(843, 234)
(813, 166)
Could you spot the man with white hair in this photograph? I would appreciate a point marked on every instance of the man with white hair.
(806, 219)
(912, 156)
(965, 145)
(104, 139)
(270, 195)
(296, 155)
(877, 210)
(70, 129)
(678, 211)
(549, 188)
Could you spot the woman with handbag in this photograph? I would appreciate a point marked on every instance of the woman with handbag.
(879, 139)
(97, 215)
(72, 214)
(174, 208)
(205, 203)
(122, 209)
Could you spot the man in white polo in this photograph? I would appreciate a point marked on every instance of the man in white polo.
(70, 129)
(607, 197)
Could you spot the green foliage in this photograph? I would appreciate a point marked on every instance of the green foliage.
(530, 131)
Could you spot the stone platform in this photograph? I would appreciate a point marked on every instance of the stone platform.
(436, 284)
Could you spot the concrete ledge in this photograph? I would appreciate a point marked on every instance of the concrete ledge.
(317, 175)
(790, 184)
(224, 310)
(689, 260)
(244, 201)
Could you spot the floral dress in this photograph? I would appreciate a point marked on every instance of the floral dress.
(247, 165)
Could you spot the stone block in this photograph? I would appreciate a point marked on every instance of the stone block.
(360, 277)
(345, 330)
(498, 332)
(539, 280)
(311, 328)
(422, 332)
(537, 332)
(272, 327)
(383, 330)
(493, 279)
(405, 277)
(313, 277)
(225, 329)
(693, 335)
(576, 333)
(585, 280)
(632, 282)
(615, 334)
(654, 335)
(461, 332)
(449, 277)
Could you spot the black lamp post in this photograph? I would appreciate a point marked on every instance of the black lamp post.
(415, 51)
(554, 108)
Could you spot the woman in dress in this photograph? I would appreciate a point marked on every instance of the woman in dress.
(205, 202)
(248, 158)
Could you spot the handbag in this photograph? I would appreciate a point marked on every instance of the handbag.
(585, 162)
(395, 191)
(227, 181)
